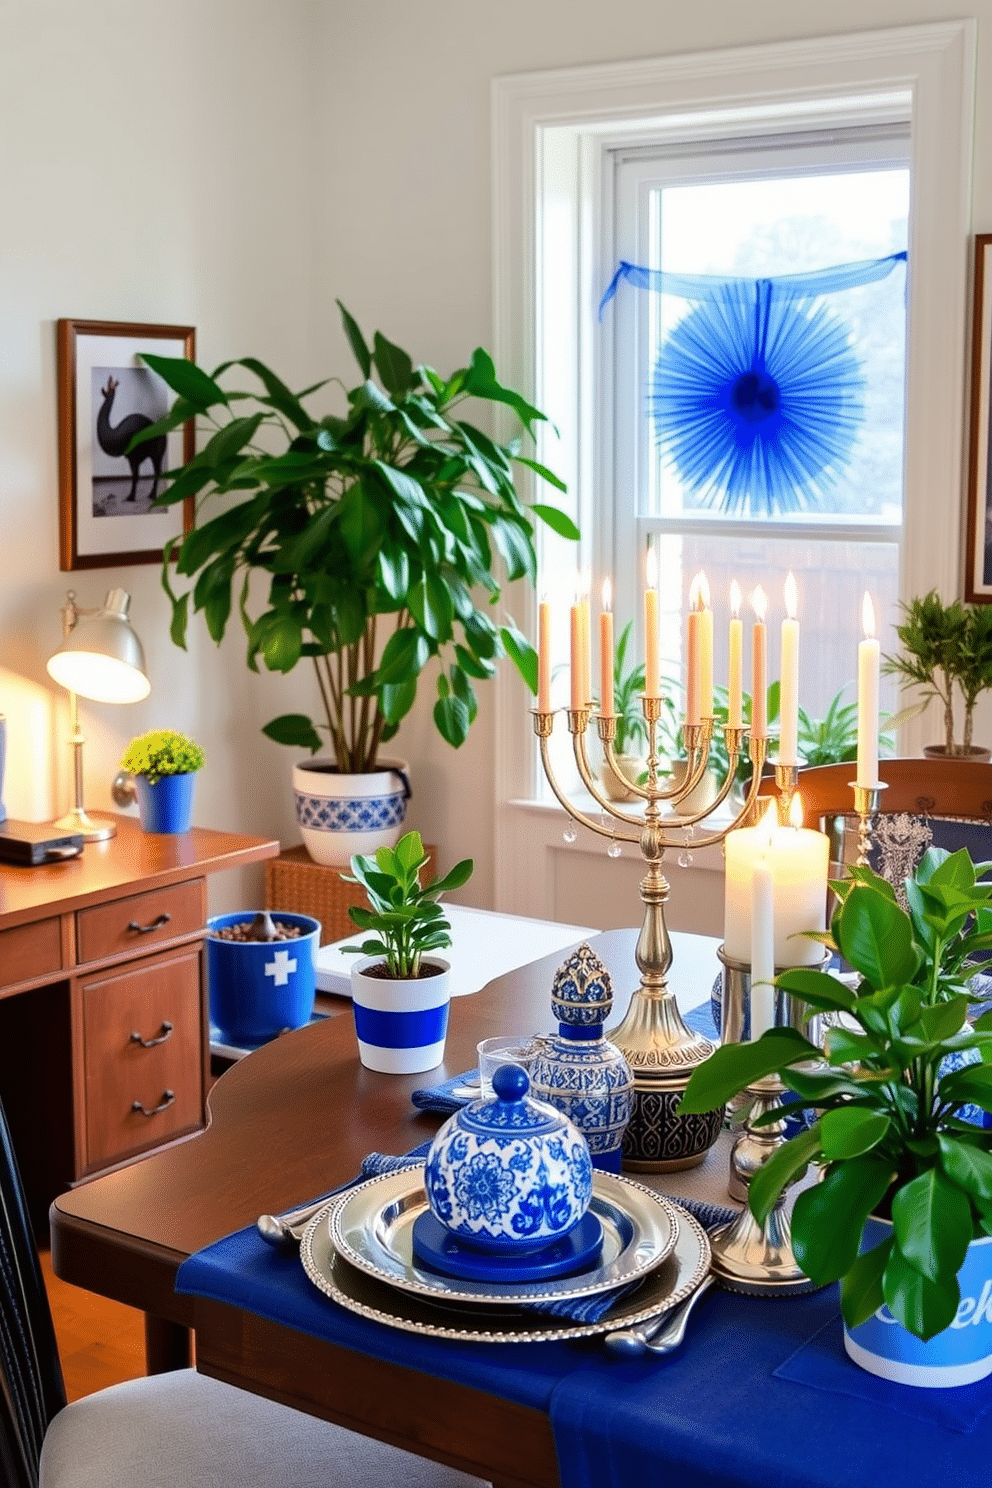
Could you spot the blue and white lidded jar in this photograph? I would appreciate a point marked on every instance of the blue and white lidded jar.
(580, 1071)
(508, 1175)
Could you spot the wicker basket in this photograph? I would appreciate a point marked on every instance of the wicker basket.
(294, 882)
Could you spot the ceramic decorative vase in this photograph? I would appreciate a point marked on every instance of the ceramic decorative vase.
(580, 1071)
(340, 815)
(509, 1175)
(958, 1356)
(166, 806)
(400, 1024)
(259, 988)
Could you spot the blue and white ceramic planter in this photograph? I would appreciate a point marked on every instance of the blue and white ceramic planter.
(400, 1025)
(510, 1174)
(259, 988)
(958, 1356)
(340, 815)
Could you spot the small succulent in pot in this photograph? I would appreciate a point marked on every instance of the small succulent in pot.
(405, 919)
(891, 1138)
(162, 752)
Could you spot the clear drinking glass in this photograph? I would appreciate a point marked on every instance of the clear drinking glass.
(506, 1048)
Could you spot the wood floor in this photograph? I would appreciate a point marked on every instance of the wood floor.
(101, 1342)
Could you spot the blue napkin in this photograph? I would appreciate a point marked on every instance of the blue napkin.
(450, 1096)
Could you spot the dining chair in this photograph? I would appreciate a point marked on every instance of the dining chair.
(926, 803)
(178, 1430)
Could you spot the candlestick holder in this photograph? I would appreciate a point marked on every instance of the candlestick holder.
(735, 1015)
(867, 800)
(661, 1051)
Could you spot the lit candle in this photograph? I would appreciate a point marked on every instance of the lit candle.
(759, 667)
(693, 641)
(575, 637)
(544, 657)
(705, 649)
(651, 674)
(735, 660)
(788, 738)
(762, 1000)
(606, 652)
(868, 670)
(798, 858)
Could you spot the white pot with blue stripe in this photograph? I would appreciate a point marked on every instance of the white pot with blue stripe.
(400, 1024)
(340, 814)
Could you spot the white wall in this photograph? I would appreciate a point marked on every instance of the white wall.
(236, 165)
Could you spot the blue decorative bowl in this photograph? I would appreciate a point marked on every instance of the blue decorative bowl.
(510, 1174)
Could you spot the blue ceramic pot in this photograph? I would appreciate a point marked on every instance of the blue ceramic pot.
(259, 988)
(958, 1356)
(166, 806)
(400, 1025)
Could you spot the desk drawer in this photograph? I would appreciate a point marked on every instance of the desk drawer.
(30, 951)
(143, 1055)
(140, 922)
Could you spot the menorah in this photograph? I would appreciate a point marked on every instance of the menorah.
(660, 1049)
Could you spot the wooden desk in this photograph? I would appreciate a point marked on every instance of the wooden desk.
(103, 1009)
(294, 1119)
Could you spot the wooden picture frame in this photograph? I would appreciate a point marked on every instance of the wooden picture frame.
(978, 555)
(104, 393)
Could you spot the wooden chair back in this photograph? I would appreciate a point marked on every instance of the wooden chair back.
(922, 787)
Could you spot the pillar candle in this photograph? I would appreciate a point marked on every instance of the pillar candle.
(868, 674)
(705, 649)
(759, 667)
(544, 657)
(735, 660)
(788, 739)
(606, 707)
(762, 945)
(651, 673)
(798, 859)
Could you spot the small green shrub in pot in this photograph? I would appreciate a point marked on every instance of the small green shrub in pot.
(892, 1089)
(162, 752)
(945, 649)
(405, 919)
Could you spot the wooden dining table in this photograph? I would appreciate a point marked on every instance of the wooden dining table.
(293, 1120)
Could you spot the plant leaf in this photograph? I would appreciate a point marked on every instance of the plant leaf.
(356, 340)
(932, 1222)
(732, 1067)
(850, 1130)
(828, 1218)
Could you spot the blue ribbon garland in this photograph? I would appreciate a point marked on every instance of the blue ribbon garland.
(757, 395)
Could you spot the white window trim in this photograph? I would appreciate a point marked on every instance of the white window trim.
(558, 126)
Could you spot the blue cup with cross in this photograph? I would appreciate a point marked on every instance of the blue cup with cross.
(260, 988)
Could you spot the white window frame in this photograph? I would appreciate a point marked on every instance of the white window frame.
(552, 133)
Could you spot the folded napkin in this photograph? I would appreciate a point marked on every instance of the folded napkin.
(450, 1096)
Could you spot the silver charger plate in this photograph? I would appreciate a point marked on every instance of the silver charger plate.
(372, 1228)
(670, 1283)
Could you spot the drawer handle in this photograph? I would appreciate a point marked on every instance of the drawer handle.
(150, 1043)
(156, 924)
(168, 1096)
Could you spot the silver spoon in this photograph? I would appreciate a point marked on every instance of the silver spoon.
(286, 1230)
(661, 1334)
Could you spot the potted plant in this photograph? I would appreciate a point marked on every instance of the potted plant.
(902, 1216)
(400, 999)
(632, 734)
(162, 765)
(945, 647)
(374, 532)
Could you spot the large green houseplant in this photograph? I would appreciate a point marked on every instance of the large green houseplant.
(945, 648)
(374, 533)
(889, 1136)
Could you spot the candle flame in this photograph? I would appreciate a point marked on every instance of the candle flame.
(868, 617)
(759, 603)
(796, 811)
(607, 595)
(735, 598)
(791, 597)
(694, 594)
(703, 591)
(651, 569)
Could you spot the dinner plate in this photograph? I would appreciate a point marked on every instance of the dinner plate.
(371, 1226)
(670, 1283)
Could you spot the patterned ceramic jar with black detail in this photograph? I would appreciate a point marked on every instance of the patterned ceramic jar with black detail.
(509, 1174)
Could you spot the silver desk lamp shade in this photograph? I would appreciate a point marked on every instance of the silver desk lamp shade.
(100, 658)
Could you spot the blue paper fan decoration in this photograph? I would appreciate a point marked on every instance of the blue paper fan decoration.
(757, 394)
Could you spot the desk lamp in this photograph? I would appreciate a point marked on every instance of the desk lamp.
(100, 658)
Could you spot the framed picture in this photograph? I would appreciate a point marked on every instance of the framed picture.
(106, 395)
(978, 560)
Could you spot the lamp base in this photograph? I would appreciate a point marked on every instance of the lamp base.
(93, 829)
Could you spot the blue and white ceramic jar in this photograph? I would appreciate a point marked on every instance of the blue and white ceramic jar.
(508, 1175)
(580, 1071)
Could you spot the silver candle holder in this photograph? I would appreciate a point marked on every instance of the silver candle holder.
(867, 801)
(661, 1051)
